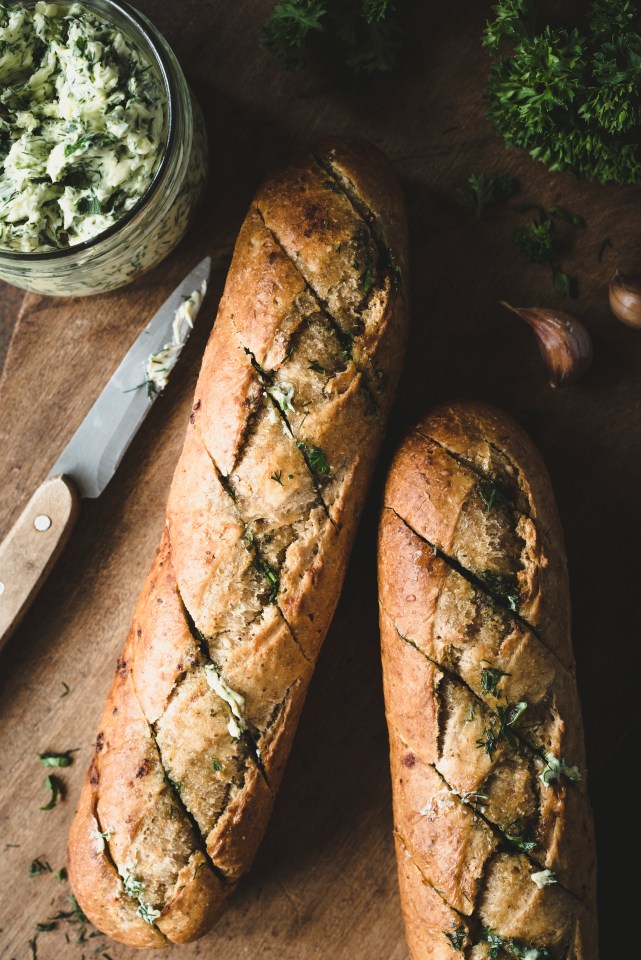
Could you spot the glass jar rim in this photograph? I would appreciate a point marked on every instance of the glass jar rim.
(142, 27)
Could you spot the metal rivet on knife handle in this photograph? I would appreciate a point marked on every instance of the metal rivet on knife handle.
(26, 556)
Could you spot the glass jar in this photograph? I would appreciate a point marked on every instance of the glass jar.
(151, 229)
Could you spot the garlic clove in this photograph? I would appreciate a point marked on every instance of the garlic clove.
(564, 342)
(625, 299)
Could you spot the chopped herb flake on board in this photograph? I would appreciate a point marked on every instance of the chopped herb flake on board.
(38, 866)
(54, 786)
(482, 190)
(63, 759)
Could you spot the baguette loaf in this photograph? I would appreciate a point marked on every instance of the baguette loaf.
(291, 401)
(493, 826)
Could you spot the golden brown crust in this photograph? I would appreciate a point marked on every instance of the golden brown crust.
(91, 871)
(287, 420)
(447, 505)
(481, 703)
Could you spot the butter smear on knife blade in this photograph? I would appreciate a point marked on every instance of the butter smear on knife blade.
(159, 365)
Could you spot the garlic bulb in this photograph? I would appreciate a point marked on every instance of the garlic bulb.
(625, 299)
(564, 342)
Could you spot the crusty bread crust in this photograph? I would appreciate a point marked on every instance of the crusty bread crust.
(480, 694)
(294, 390)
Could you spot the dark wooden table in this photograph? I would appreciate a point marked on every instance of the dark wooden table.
(323, 884)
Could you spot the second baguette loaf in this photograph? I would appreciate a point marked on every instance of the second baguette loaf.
(493, 827)
(290, 405)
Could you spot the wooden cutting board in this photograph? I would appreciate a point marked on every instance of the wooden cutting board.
(324, 881)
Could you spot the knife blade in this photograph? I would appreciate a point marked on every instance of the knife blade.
(93, 454)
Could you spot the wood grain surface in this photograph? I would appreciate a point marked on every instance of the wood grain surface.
(324, 883)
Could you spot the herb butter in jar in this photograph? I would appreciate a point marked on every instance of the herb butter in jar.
(103, 153)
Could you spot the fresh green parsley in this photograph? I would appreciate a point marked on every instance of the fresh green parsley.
(488, 493)
(315, 457)
(537, 241)
(46, 927)
(501, 726)
(39, 866)
(277, 477)
(270, 575)
(63, 759)
(490, 679)
(367, 32)
(515, 837)
(571, 98)
(504, 586)
(216, 764)
(456, 937)
(497, 944)
(54, 786)
(482, 190)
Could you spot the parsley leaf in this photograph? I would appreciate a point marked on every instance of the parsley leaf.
(539, 244)
(537, 241)
(366, 31)
(270, 575)
(315, 457)
(287, 32)
(38, 866)
(457, 937)
(63, 759)
(481, 190)
(504, 586)
(490, 677)
(500, 727)
(55, 788)
(515, 836)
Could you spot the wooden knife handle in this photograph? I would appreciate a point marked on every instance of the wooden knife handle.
(31, 547)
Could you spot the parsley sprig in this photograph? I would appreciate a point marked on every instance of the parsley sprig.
(367, 32)
(501, 727)
(571, 99)
(538, 242)
(481, 190)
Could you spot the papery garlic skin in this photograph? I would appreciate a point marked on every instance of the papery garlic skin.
(564, 342)
(625, 299)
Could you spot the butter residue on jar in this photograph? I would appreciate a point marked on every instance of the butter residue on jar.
(83, 126)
